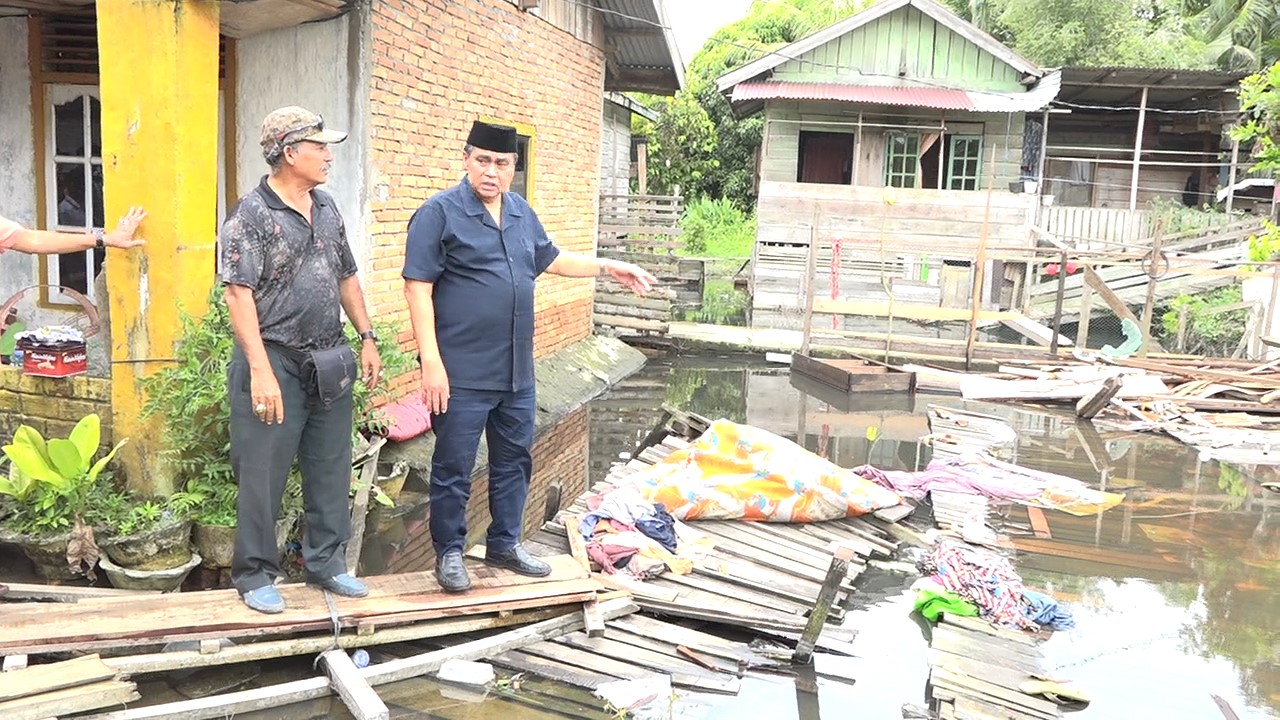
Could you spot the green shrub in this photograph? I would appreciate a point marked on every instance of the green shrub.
(717, 228)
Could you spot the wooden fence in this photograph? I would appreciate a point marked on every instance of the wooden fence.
(640, 223)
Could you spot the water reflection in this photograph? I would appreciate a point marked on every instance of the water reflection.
(1175, 589)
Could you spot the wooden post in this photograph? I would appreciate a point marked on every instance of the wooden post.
(1137, 152)
(810, 283)
(1086, 312)
(1149, 305)
(857, 151)
(642, 168)
(1182, 329)
(158, 70)
(1231, 176)
(836, 574)
(1057, 304)
(360, 508)
(979, 277)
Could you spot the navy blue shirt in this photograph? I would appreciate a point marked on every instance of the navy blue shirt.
(483, 280)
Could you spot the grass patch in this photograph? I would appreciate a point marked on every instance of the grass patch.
(716, 229)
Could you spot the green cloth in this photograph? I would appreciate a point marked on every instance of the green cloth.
(931, 604)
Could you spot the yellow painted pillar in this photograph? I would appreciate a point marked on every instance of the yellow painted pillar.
(158, 65)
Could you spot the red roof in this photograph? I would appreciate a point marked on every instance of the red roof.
(938, 98)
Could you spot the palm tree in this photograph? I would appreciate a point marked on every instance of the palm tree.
(1241, 34)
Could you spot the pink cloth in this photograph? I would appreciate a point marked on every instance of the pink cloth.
(407, 419)
(8, 233)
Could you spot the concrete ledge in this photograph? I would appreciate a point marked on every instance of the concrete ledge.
(566, 379)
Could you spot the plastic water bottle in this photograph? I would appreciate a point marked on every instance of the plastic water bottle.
(360, 658)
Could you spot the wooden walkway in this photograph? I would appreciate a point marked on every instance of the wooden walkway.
(115, 622)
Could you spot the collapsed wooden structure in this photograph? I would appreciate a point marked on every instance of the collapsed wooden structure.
(786, 585)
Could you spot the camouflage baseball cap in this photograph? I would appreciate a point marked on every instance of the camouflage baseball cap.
(293, 124)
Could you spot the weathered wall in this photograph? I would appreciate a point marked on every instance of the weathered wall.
(615, 151)
(438, 66)
(317, 66)
(784, 121)
(17, 149)
(52, 406)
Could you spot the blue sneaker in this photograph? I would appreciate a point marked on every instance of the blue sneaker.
(265, 599)
(343, 585)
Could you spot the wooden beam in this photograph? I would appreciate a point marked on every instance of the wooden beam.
(355, 691)
(912, 311)
(66, 593)
(826, 596)
(1137, 152)
(273, 696)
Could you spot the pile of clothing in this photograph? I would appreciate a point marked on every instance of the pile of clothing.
(981, 474)
(960, 576)
(629, 535)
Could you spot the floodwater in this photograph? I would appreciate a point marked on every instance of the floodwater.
(1177, 597)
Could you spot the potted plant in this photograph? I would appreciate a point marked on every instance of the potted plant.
(190, 397)
(50, 483)
(145, 541)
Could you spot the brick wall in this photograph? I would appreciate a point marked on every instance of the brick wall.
(437, 66)
(52, 406)
(559, 475)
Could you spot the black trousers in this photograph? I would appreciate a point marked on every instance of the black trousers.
(262, 455)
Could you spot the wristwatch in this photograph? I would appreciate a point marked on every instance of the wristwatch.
(99, 242)
(368, 335)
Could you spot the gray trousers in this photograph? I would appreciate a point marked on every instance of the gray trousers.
(262, 455)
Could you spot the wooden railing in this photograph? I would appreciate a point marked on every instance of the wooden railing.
(640, 223)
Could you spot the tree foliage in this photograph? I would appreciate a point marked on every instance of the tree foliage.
(699, 146)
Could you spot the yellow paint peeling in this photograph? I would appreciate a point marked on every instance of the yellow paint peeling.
(158, 61)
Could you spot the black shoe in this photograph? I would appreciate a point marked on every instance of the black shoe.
(451, 573)
(518, 559)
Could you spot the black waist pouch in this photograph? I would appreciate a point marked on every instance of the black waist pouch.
(327, 374)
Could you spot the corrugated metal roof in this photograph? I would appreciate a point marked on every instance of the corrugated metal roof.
(642, 45)
(1037, 98)
(937, 98)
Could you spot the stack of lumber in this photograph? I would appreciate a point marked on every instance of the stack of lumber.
(620, 312)
(61, 688)
(975, 670)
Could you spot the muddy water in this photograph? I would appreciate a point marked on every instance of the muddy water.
(1181, 603)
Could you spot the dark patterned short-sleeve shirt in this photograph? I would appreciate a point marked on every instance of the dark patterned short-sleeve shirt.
(293, 266)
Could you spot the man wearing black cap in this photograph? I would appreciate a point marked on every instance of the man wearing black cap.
(472, 256)
(288, 270)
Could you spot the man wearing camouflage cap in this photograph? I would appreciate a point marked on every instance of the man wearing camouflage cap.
(287, 269)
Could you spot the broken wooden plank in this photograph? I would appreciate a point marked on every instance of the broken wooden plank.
(361, 699)
(817, 619)
(38, 679)
(577, 544)
(66, 593)
(593, 619)
(68, 701)
(272, 696)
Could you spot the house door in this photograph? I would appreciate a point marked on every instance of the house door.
(825, 158)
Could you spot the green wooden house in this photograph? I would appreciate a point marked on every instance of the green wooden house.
(883, 134)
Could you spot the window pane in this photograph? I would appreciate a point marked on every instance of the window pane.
(95, 126)
(71, 271)
(71, 195)
(68, 128)
(97, 219)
